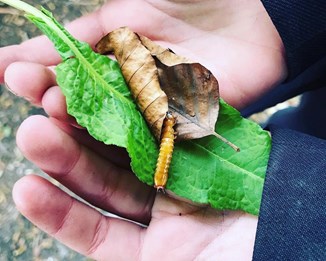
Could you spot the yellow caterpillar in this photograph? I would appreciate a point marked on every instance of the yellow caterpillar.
(166, 151)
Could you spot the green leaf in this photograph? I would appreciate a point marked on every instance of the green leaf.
(204, 171)
(100, 101)
(208, 171)
(98, 97)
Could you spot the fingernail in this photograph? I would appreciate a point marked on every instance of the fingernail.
(25, 97)
(9, 89)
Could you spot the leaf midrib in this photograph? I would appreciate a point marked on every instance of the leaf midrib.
(88, 67)
(227, 161)
(62, 34)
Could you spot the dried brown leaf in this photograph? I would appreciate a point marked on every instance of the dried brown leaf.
(192, 90)
(193, 97)
(140, 72)
(160, 81)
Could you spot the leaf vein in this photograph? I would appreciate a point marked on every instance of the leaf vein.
(226, 161)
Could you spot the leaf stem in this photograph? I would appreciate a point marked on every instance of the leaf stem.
(30, 10)
(20, 5)
(236, 148)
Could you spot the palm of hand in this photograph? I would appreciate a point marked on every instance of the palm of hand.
(179, 231)
(235, 43)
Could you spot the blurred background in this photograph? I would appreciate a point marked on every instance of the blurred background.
(19, 239)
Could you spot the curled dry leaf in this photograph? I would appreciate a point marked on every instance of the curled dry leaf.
(192, 90)
(154, 73)
(193, 97)
(140, 72)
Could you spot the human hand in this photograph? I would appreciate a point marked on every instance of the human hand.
(175, 230)
(99, 174)
(238, 44)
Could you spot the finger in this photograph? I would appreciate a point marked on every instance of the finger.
(29, 80)
(37, 50)
(84, 172)
(116, 155)
(78, 226)
(41, 50)
(36, 83)
(54, 104)
(90, 28)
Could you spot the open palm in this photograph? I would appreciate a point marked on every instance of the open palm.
(237, 42)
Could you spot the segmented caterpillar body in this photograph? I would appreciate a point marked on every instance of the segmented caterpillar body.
(165, 154)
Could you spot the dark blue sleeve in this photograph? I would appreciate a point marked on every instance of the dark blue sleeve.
(292, 221)
(302, 27)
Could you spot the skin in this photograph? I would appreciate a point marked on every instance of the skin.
(235, 39)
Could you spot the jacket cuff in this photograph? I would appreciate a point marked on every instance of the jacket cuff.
(292, 221)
